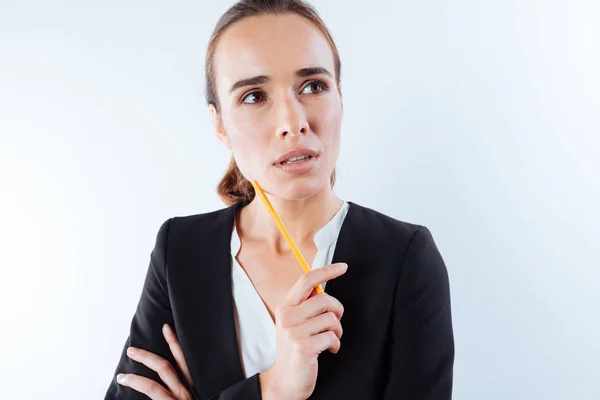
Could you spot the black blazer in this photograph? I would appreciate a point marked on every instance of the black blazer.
(398, 338)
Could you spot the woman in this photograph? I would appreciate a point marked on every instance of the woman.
(226, 312)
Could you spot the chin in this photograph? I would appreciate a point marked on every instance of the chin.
(298, 188)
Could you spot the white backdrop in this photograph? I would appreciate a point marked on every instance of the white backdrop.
(478, 119)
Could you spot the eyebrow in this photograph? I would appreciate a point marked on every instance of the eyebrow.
(262, 79)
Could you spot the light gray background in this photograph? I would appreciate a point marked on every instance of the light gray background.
(478, 119)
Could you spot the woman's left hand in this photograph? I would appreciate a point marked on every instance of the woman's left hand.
(177, 390)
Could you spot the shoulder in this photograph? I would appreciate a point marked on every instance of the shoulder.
(389, 237)
(204, 221)
(196, 228)
(380, 226)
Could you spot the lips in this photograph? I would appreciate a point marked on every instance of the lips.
(296, 153)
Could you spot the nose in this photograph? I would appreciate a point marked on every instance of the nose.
(291, 118)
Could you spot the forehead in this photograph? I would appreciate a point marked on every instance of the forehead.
(274, 45)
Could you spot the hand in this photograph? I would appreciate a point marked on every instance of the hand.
(307, 324)
(177, 389)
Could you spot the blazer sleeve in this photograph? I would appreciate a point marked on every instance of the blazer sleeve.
(153, 311)
(422, 351)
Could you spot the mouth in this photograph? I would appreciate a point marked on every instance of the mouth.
(297, 162)
(296, 156)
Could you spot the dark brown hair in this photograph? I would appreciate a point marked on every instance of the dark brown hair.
(233, 187)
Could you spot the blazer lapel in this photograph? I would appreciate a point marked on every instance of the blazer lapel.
(350, 248)
(211, 336)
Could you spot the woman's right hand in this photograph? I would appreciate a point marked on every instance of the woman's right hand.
(307, 324)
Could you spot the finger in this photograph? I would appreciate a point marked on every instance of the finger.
(177, 352)
(321, 323)
(314, 306)
(317, 325)
(303, 287)
(323, 341)
(144, 385)
(161, 366)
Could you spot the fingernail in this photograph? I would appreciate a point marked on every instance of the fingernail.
(121, 378)
(166, 330)
(342, 267)
(131, 351)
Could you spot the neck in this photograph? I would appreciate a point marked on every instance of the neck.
(302, 218)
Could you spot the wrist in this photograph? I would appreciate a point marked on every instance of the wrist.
(270, 388)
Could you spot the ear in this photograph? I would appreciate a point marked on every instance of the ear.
(341, 100)
(219, 129)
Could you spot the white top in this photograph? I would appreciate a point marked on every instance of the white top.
(254, 326)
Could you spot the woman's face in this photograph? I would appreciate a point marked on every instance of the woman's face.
(277, 92)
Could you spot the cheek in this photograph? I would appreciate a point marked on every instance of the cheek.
(248, 138)
(329, 129)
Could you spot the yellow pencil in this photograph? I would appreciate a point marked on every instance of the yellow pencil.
(283, 231)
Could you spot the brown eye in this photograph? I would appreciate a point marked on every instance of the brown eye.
(314, 87)
(253, 98)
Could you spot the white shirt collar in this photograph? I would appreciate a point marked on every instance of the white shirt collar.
(330, 231)
(324, 237)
